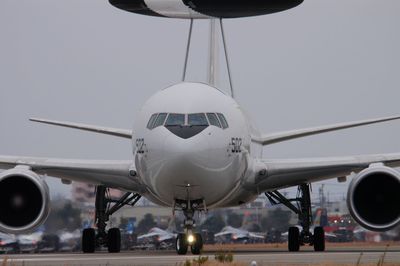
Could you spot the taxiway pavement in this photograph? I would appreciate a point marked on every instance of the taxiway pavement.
(152, 258)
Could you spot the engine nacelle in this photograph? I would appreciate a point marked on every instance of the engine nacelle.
(24, 201)
(373, 198)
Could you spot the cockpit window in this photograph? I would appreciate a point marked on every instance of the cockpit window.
(193, 120)
(175, 120)
(151, 121)
(213, 120)
(160, 120)
(223, 121)
(197, 120)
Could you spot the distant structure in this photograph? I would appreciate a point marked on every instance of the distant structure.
(85, 193)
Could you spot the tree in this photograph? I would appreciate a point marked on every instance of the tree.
(214, 223)
(235, 220)
(146, 224)
(277, 219)
(64, 217)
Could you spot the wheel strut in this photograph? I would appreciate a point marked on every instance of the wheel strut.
(303, 210)
(189, 239)
(105, 206)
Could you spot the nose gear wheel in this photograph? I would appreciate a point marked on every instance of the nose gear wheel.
(182, 244)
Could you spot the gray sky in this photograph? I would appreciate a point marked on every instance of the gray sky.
(86, 61)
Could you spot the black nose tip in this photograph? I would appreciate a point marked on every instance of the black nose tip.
(186, 132)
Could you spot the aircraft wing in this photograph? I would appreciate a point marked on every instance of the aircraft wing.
(285, 173)
(299, 133)
(123, 133)
(223, 233)
(256, 235)
(165, 237)
(113, 174)
(148, 235)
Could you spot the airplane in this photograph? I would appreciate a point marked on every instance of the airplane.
(204, 9)
(197, 154)
(237, 234)
(195, 149)
(159, 234)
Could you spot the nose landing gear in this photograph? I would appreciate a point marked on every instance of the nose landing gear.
(189, 239)
(303, 210)
(111, 238)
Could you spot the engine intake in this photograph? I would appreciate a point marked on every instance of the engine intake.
(24, 201)
(373, 198)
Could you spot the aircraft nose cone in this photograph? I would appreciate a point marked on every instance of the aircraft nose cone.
(180, 148)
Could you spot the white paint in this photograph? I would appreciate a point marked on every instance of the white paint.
(173, 8)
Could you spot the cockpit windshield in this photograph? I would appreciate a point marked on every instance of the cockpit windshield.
(223, 121)
(213, 120)
(151, 121)
(188, 120)
(197, 120)
(160, 119)
(175, 120)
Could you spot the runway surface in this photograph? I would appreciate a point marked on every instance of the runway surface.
(269, 257)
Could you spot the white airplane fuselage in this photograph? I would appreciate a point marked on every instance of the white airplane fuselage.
(211, 165)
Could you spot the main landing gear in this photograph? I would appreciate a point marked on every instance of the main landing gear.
(188, 239)
(303, 210)
(104, 209)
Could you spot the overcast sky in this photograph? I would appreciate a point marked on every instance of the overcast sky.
(86, 61)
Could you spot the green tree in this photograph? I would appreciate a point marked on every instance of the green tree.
(146, 224)
(277, 219)
(235, 220)
(214, 223)
(65, 216)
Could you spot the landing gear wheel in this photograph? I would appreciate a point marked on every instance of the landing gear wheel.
(114, 240)
(88, 240)
(197, 246)
(319, 239)
(294, 239)
(181, 244)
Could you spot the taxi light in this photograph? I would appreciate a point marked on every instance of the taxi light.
(190, 238)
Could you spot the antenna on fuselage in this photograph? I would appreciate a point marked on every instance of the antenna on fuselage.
(212, 68)
(213, 55)
(226, 57)
(187, 50)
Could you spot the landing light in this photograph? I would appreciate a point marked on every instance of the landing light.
(190, 238)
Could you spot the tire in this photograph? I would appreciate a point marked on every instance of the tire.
(294, 239)
(319, 239)
(88, 240)
(181, 244)
(197, 247)
(114, 240)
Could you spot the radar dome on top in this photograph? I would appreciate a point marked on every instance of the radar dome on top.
(198, 9)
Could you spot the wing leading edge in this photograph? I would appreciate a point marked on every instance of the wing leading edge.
(123, 133)
(269, 139)
(113, 174)
(285, 173)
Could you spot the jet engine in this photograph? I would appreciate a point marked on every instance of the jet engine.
(24, 201)
(373, 198)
